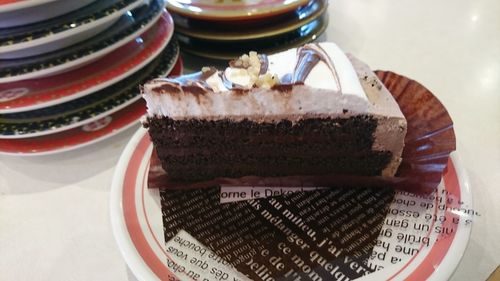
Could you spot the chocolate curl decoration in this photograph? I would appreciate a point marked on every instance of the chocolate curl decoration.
(428, 143)
(307, 57)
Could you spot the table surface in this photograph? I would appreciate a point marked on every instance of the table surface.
(54, 213)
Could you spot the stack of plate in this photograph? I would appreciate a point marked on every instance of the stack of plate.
(226, 29)
(71, 80)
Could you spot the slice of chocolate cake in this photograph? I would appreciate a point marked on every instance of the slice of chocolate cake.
(305, 111)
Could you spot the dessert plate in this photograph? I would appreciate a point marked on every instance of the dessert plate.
(136, 218)
(225, 50)
(122, 62)
(60, 32)
(129, 26)
(84, 135)
(300, 17)
(15, 13)
(89, 108)
(233, 10)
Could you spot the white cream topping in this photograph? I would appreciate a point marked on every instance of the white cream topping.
(260, 102)
(320, 94)
(321, 76)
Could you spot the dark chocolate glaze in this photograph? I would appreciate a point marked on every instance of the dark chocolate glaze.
(167, 88)
(282, 87)
(195, 83)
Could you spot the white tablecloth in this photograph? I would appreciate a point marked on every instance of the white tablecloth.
(54, 218)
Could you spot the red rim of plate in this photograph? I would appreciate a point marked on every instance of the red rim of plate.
(11, 4)
(83, 135)
(21, 3)
(208, 11)
(128, 184)
(7, 2)
(107, 70)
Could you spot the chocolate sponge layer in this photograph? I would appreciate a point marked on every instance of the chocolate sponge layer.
(193, 150)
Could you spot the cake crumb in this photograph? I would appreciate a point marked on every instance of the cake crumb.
(266, 81)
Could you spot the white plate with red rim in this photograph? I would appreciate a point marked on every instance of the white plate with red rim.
(122, 62)
(21, 12)
(136, 218)
(87, 134)
(60, 32)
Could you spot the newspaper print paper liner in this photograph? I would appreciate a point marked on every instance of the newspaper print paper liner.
(428, 144)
